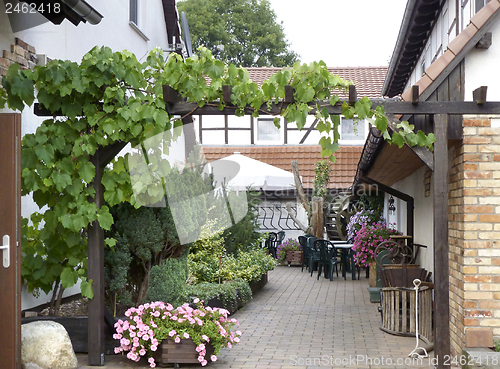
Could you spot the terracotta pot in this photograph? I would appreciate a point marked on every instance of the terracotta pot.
(183, 352)
(294, 257)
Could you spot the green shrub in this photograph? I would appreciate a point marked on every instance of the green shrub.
(250, 266)
(244, 235)
(167, 281)
(226, 293)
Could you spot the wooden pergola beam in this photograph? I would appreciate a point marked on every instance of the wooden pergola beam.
(390, 106)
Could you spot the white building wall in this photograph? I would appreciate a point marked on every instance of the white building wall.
(413, 185)
(443, 33)
(481, 68)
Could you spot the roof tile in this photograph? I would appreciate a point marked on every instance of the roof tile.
(368, 80)
(342, 171)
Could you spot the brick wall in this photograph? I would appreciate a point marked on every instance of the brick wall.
(20, 53)
(475, 232)
(456, 244)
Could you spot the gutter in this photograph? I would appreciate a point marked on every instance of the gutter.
(84, 10)
(410, 6)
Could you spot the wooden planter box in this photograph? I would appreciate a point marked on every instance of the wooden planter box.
(294, 257)
(257, 285)
(77, 328)
(183, 352)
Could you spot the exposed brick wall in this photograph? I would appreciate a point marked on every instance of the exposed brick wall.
(475, 232)
(456, 244)
(20, 53)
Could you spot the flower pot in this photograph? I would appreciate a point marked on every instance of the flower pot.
(294, 257)
(183, 352)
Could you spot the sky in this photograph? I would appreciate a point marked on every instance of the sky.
(342, 33)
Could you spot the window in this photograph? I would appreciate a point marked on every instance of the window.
(134, 11)
(351, 131)
(480, 4)
(267, 131)
(136, 17)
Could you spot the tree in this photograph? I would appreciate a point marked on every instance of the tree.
(246, 28)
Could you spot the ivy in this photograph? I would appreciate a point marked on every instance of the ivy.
(112, 97)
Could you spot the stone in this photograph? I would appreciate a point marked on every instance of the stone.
(46, 345)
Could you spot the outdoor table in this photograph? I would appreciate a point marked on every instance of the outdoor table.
(345, 248)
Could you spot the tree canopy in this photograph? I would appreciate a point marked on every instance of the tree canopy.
(247, 29)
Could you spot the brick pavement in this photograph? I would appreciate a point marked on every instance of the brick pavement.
(296, 321)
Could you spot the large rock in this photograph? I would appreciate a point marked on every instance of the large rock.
(46, 344)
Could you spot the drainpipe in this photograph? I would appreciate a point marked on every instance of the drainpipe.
(84, 10)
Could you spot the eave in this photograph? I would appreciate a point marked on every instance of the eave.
(418, 21)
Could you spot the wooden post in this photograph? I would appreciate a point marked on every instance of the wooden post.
(10, 225)
(96, 274)
(96, 259)
(317, 217)
(441, 246)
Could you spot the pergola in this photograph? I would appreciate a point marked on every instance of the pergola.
(437, 161)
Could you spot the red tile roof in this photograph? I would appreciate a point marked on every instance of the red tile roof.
(342, 171)
(368, 80)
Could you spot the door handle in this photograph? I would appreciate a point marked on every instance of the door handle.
(6, 251)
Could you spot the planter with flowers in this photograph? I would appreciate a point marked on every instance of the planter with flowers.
(290, 252)
(366, 241)
(183, 335)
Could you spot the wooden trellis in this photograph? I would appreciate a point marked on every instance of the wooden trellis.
(437, 161)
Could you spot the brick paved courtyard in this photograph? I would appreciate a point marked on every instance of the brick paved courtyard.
(296, 321)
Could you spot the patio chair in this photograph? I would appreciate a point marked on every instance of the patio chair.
(271, 244)
(328, 259)
(305, 251)
(313, 255)
(280, 237)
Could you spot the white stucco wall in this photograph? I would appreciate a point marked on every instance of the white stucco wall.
(481, 68)
(413, 185)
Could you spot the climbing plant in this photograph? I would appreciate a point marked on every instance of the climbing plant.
(112, 97)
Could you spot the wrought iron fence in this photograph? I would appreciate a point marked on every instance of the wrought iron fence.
(275, 217)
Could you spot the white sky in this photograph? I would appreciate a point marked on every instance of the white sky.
(342, 33)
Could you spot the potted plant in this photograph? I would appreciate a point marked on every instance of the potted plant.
(290, 251)
(161, 332)
(366, 241)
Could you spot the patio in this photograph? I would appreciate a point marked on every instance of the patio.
(296, 321)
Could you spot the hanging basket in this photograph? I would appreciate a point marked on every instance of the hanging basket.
(183, 352)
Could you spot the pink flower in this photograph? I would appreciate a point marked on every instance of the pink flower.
(142, 352)
(213, 358)
(200, 358)
(204, 337)
(196, 300)
(172, 333)
(236, 339)
(186, 335)
(177, 339)
(204, 362)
